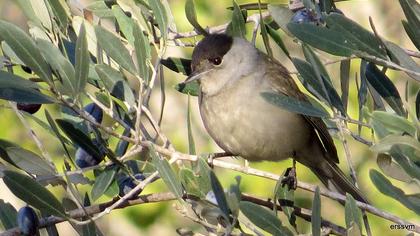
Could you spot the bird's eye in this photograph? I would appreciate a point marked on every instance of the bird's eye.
(216, 60)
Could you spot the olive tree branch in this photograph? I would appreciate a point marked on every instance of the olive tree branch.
(162, 197)
(246, 170)
(95, 209)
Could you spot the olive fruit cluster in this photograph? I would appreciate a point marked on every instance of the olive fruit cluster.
(83, 158)
(27, 221)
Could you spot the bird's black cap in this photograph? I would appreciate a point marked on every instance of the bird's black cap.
(212, 46)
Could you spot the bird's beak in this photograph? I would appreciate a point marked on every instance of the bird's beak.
(196, 75)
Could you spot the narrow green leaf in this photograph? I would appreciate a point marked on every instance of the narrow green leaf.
(263, 218)
(161, 17)
(125, 23)
(324, 79)
(360, 39)
(412, 33)
(264, 33)
(4, 144)
(122, 145)
(82, 60)
(307, 77)
(8, 51)
(362, 91)
(55, 130)
(352, 212)
(233, 196)
(8, 215)
(316, 63)
(29, 12)
(167, 174)
(281, 15)
(322, 38)
(190, 183)
(293, 105)
(219, 193)
(192, 88)
(29, 161)
(100, 9)
(385, 88)
(326, 5)
(40, 122)
(392, 169)
(192, 16)
(202, 171)
(79, 138)
(191, 143)
(406, 162)
(237, 26)
(112, 190)
(42, 12)
(393, 123)
(413, 16)
(102, 183)
(114, 82)
(33, 193)
(60, 64)
(277, 38)
(142, 47)
(25, 49)
(345, 81)
(378, 104)
(316, 214)
(112, 45)
(17, 89)
(180, 65)
(285, 197)
(60, 14)
(385, 144)
(399, 56)
(387, 188)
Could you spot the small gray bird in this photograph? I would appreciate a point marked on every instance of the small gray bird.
(232, 74)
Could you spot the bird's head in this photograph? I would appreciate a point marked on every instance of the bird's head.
(219, 59)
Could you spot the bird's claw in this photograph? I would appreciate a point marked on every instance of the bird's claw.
(290, 178)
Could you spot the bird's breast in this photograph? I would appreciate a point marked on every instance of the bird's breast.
(243, 123)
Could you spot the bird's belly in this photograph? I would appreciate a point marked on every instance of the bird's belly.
(252, 128)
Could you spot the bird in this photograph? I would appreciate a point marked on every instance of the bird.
(232, 74)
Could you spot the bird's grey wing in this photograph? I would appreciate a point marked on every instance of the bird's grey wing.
(281, 81)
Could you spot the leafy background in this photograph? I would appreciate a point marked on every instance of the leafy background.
(160, 218)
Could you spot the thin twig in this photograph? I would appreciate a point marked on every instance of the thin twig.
(95, 209)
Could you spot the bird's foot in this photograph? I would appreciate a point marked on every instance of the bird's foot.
(212, 156)
(290, 177)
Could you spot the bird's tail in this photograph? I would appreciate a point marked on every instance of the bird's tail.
(334, 179)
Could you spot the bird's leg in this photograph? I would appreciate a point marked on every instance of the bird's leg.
(290, 177)
(213, 156)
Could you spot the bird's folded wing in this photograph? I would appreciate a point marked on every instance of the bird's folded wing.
(282, 82)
